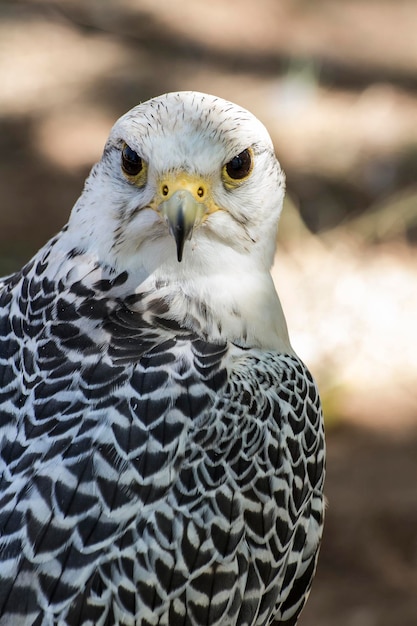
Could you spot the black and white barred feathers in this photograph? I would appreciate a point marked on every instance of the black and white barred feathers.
(161, 444)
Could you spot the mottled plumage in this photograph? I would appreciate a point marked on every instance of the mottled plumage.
(161, 445)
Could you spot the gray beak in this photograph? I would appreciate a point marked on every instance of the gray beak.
(182, 212)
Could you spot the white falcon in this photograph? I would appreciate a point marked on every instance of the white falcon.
(161, 444)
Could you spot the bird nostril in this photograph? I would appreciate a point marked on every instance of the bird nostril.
(165, 190)
(200, 192)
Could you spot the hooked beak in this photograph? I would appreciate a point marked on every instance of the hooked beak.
(182, 212)
(184, 201)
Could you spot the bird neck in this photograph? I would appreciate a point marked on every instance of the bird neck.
(240, 307)
(221, 301)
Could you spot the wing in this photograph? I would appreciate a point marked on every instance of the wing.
(147, 476)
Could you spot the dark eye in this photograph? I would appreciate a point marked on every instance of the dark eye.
(240, 166)
(132, 163)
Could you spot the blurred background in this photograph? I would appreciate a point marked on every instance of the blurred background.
(335, 82)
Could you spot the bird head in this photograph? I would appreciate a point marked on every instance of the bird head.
(185, 203)
(185, 178)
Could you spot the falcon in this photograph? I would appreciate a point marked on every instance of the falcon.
(161, 444)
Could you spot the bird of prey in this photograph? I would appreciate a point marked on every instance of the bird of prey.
(161, 444)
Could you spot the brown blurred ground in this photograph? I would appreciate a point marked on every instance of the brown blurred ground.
(335, 81)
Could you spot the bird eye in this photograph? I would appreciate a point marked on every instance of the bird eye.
(240, 166)
(132, 163)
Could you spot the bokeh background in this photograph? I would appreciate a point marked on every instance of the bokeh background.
(335, 82)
